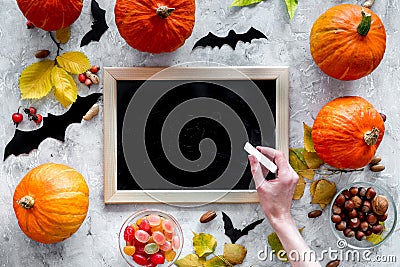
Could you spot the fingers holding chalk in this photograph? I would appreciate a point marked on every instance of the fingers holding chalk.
(257, 171)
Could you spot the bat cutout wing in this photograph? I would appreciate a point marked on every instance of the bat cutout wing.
(233, 233)
(53, 127)
(99, 25)
(232, 39)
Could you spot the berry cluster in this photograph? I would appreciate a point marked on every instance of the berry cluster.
(17, 117)
(89, 77)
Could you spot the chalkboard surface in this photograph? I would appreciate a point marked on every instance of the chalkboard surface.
(176, 134)
(193, 132)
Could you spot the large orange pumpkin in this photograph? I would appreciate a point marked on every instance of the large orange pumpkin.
(347, 132)
(51, 15)
(51, 202)
(348, 41)
(155, 26)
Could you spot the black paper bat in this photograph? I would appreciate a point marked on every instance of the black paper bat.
(53, 126)
(99, 25)
(232, 39)
(233, 233)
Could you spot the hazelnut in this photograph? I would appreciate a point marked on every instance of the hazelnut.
(361, 215)
(371, 193)
(354, 223)
(377, 229)
(340, 200)
(362, 191)
(349, 205)
(348, 232)
(380, 204)
(352, 214)
(346, 194)
(375, 160)
(368, 232)
(353, 191)
(340, 226)
(357, 201)
(366, 206)
(372, 219)
(360, 236)
(364, 226)
(336, 209)
(382, 218)
(336, 218)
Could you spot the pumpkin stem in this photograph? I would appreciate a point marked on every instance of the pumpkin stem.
(371, 137)
(365, 24)
(164, 11)
(26, 202)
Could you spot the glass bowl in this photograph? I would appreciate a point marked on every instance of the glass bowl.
(390, 222)
(140, 214)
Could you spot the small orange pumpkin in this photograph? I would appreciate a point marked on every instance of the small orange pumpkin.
(51, 15)
(155, 26)
(347, 132)
(51, 202)
(348, 41)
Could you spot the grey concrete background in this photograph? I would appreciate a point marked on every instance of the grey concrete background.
(95, 244)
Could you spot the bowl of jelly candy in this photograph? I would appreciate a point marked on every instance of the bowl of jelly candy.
(150, 238)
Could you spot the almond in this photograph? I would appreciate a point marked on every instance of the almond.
(208, 216)
(314, 213)
(377, 168)
(42, 53)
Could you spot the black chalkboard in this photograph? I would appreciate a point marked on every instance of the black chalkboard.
(192, 133)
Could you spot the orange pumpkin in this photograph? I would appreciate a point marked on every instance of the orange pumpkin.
(51, 202)
(348, 41)
(51, 15)
(347, 132)
(155, 26)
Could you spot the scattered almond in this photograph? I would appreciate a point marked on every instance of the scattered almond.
(375, 160)
(377, 167)
(208, 216)
(333, 263)
(42, 53)
(314, 213)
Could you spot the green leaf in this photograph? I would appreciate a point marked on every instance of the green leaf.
(308, 142)
(204, 244)
(296, 159)
(73, 62)
(35, 80)
(291, 7)
(277, 247)
(65, 87)
(234, 253)
(191, 260)
(312, 160)
(215, 262)
(244, 2)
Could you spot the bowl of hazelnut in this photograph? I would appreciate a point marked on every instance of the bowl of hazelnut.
(363, 214)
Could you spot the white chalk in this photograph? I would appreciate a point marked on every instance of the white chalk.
(260, 157)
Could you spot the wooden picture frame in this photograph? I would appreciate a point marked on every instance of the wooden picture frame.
(112, 75)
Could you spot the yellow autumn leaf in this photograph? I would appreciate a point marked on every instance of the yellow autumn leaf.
(215, 261)
(73, 62)
(204, 244)
(312, 160)
(277, 247)
(308, 142)
(376, 238)
(296, 159)
(299, 190)
(64, 86)
(309, 174)
(35, 80)
(191, 260)
(324, 192)
(234, 253)
(63, 35)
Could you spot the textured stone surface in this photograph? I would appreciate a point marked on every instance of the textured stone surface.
(95, 244)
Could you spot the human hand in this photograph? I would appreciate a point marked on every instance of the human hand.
(275, 195)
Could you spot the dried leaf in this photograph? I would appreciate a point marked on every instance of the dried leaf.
(65, 87)
(313, 186)
(244, 2)
(308, 142)
(191, 260)
(277, 247)
(299, 190)
(204, 244)
(291, 7)
(35, 80)
(324, 192)
(63, 35)
(215, 261)
(296, 159)
(312, 160)
(73, 62)
(234, 253)
(309, 174)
